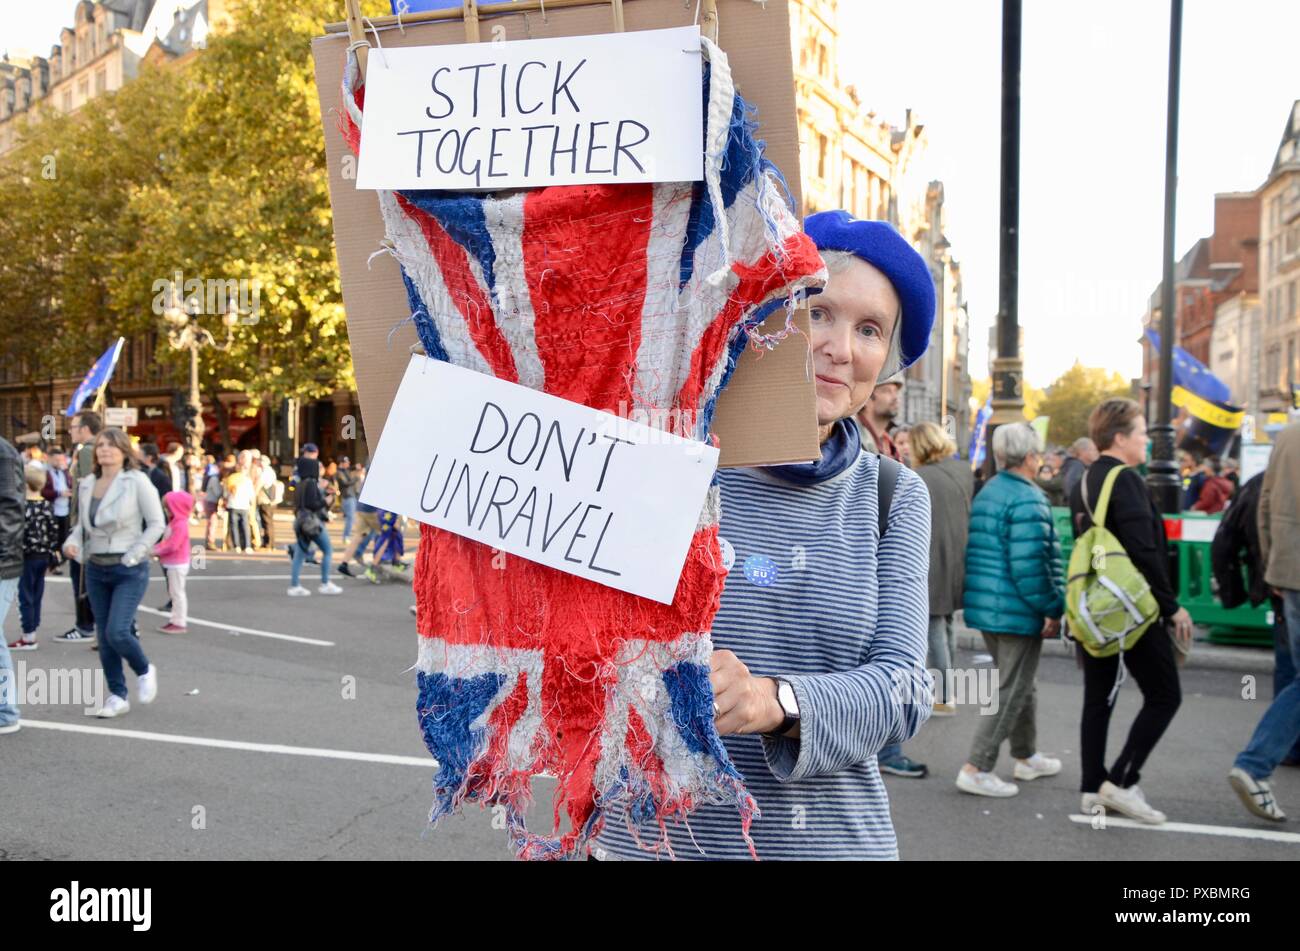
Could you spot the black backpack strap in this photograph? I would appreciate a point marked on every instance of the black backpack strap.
(886, 479)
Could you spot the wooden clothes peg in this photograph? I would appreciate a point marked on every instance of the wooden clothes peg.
(470, 11)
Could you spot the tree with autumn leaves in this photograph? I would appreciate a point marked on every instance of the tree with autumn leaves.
(215, 170)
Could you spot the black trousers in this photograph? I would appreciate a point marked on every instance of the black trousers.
(85, 616)
(1151, 664)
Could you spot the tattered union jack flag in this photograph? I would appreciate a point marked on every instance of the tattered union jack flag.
(629, 298)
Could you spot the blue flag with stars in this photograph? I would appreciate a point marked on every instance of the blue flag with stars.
(98, 375)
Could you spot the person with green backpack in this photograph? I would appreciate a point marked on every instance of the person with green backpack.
(1121, 605)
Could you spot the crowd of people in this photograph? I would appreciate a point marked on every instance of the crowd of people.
(111, 506)
(902, 534)
(996, 555)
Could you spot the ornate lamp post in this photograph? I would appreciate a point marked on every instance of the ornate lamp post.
(185, 333)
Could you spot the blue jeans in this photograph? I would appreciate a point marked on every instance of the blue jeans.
(239, 537)
(115, 593)
(31, 591)
(300, 555)
(1284, 669)
(349, 517)
(8, 686)
(1280, 726)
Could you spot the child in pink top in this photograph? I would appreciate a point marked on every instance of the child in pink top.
(174, 553)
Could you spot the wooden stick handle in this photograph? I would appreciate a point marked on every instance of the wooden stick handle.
(709, 19)
(356, 31)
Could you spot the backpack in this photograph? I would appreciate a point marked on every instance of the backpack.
(1108, 602)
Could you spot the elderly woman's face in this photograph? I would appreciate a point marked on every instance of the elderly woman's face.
(852, 322)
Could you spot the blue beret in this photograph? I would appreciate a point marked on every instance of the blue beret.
(881, 246)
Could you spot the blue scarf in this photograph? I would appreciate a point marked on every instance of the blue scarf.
(839, 452)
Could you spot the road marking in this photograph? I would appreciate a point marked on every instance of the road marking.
(1195, 829)
(425, 762)
(241, 630)
(197, 575)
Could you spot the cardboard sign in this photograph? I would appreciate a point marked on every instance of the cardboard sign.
(556, 482)
(535, 112)
(757, 40)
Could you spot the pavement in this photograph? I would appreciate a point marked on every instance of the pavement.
(285, 728)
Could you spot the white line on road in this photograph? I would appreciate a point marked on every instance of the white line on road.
(388, 758)
(242, 630)
(197, 576)
(1195, 829)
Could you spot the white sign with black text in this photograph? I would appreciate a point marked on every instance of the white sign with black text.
(581, 490)
(616, 107)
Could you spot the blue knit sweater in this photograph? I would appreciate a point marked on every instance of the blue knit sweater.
(1014, 579)
(844, 620)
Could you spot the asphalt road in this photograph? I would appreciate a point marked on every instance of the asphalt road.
(263, 746)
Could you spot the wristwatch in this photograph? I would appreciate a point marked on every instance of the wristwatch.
(789, 706)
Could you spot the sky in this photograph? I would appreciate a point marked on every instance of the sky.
(1094, 80)
(1093, 86)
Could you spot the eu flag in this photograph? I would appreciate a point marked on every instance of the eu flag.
(98, 375)
(1193, 375)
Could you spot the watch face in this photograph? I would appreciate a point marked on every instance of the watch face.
(785, 696)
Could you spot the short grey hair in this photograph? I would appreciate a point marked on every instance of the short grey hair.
(1012, 444)
(837, 262)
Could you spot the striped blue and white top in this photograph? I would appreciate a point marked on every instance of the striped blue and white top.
(813, 596)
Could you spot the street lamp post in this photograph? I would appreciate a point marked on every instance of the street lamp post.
(185, 333)
(1008, 393)
(1162, 479)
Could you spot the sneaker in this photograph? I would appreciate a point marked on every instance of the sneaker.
(146, 685)
(11, 727)
(76, 635)
(373, 576)
(298, 591)
(985, 784)
(24, 644)
(329, 587)
(249, 551)
(1035, 767)
(902, 766)
(1131, 802)
(1090, 803)
(170, 628)
(346, 569)
(944, 710)
(1256, 795)
(114, 706)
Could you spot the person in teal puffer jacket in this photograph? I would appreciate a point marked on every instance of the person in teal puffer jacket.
(1014, 595)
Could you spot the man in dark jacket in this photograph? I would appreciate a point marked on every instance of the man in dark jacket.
(1081, 454)
(83, 428)
(12, 519)
(161, 479)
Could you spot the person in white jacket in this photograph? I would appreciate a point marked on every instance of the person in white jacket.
(121, 519)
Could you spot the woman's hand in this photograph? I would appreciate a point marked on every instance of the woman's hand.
(1182, 622)
(743, 703)
(71, 550)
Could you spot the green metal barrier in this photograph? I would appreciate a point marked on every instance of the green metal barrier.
(1190, 536)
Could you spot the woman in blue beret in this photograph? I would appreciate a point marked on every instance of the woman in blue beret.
(820, 641)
